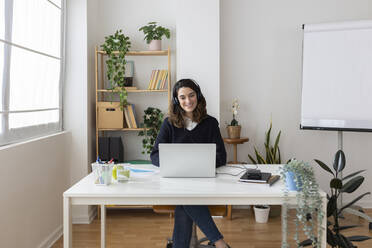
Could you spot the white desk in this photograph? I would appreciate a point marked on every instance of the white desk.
(154, 190)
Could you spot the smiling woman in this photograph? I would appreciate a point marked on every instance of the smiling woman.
(188, 122)
(31, 34)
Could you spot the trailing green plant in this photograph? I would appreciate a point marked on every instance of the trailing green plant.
(272, 152)
(152, 120)
(338, 186)
(154, 32)
(309, 204)
(116, 46)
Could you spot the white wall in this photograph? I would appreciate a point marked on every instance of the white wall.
(34, 177)
(261, 49)
(104, 18)
(76, 99)
(198, 47)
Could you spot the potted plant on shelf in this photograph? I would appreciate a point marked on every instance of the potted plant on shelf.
(309, 204)
(153, 34)
(152, 121)
(338, 186)
(234, 129)
(116, 46)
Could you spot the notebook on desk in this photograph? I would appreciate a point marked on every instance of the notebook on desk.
(187, 160)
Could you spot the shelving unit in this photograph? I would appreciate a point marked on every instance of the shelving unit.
(100, 91)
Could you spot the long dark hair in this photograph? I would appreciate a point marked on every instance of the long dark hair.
(176, 113)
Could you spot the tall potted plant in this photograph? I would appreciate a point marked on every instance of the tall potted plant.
(338, 186)
(116, 46)
(234, 129)
(152, 121)
(153, 34)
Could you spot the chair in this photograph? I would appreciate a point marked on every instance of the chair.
(219, 210)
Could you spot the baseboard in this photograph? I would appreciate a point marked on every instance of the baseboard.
(52, 238)
(365, 204)
(84, 219)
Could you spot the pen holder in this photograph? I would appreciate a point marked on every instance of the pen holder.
(102, 173)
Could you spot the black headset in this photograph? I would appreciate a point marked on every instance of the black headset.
(183, 81)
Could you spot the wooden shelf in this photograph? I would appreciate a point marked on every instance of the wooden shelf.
(135, 91)
(141, 53)
(121, 129)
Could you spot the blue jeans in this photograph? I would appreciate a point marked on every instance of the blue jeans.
(184, 216)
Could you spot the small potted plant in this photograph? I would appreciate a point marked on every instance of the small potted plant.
(261, 213)
(152, 121)
(153, 34)
(233, 130)
(116, 46)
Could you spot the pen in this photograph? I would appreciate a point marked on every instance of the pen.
(274, 179)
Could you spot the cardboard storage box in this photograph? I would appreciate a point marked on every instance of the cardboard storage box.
(110, 115)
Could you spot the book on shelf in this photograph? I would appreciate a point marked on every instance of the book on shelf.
(131, 116)
(126, 117)
(134, 114)
(158, 79)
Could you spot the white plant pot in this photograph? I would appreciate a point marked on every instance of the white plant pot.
(261, 214)
(155, 45)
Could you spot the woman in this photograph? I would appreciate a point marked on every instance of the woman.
(188, 122)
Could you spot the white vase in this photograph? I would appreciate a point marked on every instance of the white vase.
(261, 214)
(155, 45)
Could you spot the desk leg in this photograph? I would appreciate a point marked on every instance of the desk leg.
(324, 223)
(229, 212)
(284, 225)
(67, 223)
(103, 224)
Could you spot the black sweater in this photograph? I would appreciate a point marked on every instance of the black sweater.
(207, 131)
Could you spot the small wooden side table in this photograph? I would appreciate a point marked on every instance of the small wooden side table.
(235, 143)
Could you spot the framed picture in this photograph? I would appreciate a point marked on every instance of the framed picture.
(129, 73)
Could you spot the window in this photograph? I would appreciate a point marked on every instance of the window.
(31, 62)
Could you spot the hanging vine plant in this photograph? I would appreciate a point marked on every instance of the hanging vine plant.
(152, 120)
(309, 206)
(116, 46)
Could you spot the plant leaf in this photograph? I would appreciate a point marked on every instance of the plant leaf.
(353, 174)
(252, 159)
(354, 201)
(352, 184)
(276, 144)
(339, 163)
(347, 227)
(336, 183)
(358, 238)
(306, 242)
(324, 166)
(344, 242)
(260, 159)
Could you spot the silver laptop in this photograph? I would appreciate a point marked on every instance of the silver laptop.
(187, 160)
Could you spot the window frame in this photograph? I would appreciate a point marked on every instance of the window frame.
(16, 135)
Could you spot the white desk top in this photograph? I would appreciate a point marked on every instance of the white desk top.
(223, 189)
